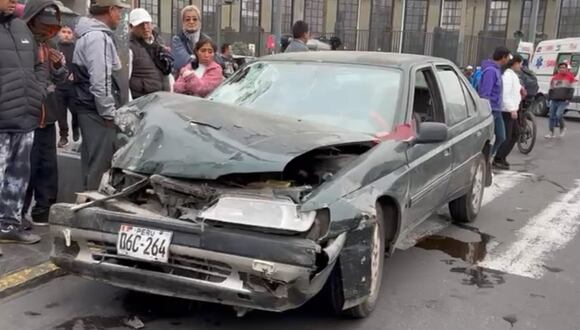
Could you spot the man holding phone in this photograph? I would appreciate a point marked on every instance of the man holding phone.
(43, 20)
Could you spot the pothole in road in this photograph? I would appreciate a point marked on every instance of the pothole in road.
(471, 251)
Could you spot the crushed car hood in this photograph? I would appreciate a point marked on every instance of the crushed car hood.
(187, 137)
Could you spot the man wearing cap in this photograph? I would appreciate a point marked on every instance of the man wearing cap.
(43, 20)
(20, 102)
(150, 62)
(96, 66)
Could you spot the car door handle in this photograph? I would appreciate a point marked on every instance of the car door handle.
(447, 152)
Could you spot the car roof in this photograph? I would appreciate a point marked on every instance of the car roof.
(351, 57)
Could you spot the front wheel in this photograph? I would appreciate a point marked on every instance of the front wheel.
(334, 284)
(527, 133)
(540, 106)
(465, 208)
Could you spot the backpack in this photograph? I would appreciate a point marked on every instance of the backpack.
(529, 81)
(475, 78)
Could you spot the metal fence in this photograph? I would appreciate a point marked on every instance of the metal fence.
(440, 43)
(445, 44)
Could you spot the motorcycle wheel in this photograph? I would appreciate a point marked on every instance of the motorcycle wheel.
(528, 133)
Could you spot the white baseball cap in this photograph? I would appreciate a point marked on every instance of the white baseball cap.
(138, 16)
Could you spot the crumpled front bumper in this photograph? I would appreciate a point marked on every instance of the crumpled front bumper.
(234, 267)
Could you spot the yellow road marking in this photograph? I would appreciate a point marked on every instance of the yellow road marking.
(23, 276)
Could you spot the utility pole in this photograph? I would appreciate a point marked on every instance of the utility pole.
(534, 21)
(218, 23)
(277, 24)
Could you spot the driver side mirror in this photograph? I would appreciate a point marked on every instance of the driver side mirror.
(431, 132)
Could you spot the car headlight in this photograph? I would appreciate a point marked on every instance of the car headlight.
(260, 212)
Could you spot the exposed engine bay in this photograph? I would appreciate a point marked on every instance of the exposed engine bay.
(265, 200)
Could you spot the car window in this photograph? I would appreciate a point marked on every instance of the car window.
(572, 59)
(360, 98)
(455, 105)
(425, 106)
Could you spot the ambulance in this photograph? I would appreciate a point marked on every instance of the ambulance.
(545, 61)
(526, 49)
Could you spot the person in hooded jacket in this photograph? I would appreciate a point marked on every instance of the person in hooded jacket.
(21, 96)
(560, 93)
(96, 67)
(43, 20)
(491, 88)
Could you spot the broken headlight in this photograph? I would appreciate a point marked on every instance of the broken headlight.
(260, 212)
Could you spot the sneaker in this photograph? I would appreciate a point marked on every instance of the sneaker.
(504, 163)
(40, 222)
(13, 234)
(62, 142)
(549, 136)
(40, 218)
(500, 166)
(562, 132)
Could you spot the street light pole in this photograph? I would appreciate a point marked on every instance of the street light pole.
(218, 23)
(277, 25)
(534, 21)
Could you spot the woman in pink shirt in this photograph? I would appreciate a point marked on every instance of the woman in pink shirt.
(201, 77)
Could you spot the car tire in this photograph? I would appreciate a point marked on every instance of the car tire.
(334, 283)
(465, 208)
(541, 106)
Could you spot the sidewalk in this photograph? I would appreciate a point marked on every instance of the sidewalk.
(19, 256)
(24, 266)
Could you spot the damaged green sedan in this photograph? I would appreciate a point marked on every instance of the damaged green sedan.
(298, 176)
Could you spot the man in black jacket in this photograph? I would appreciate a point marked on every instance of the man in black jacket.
(43, 19)
(20, 103)
(150, 62)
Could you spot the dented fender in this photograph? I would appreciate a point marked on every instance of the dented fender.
(355, 264)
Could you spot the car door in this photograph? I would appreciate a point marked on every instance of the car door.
(430, 164)
(464, 136)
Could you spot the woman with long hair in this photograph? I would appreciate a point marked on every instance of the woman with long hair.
(202, 76)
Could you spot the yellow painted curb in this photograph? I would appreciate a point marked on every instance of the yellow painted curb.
(21, 277)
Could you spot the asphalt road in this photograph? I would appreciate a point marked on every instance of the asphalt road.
(517, 267)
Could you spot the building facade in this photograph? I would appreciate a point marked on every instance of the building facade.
(461, 30)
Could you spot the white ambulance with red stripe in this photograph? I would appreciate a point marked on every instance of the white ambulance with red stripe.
(545, 61)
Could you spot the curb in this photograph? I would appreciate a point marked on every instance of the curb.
(28, 277)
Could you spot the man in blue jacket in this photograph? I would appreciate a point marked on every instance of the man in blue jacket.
(490, 88)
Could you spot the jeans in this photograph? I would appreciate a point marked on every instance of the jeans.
(557, 109)
(97, 148)
(14, 175)
(65, 100)
(499, 130)
(512, 134)
(43, 184)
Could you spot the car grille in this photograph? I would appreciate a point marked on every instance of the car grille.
(179, 265)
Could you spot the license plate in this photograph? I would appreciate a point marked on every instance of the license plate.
(144, 243)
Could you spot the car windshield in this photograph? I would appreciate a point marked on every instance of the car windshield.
(360, 98)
